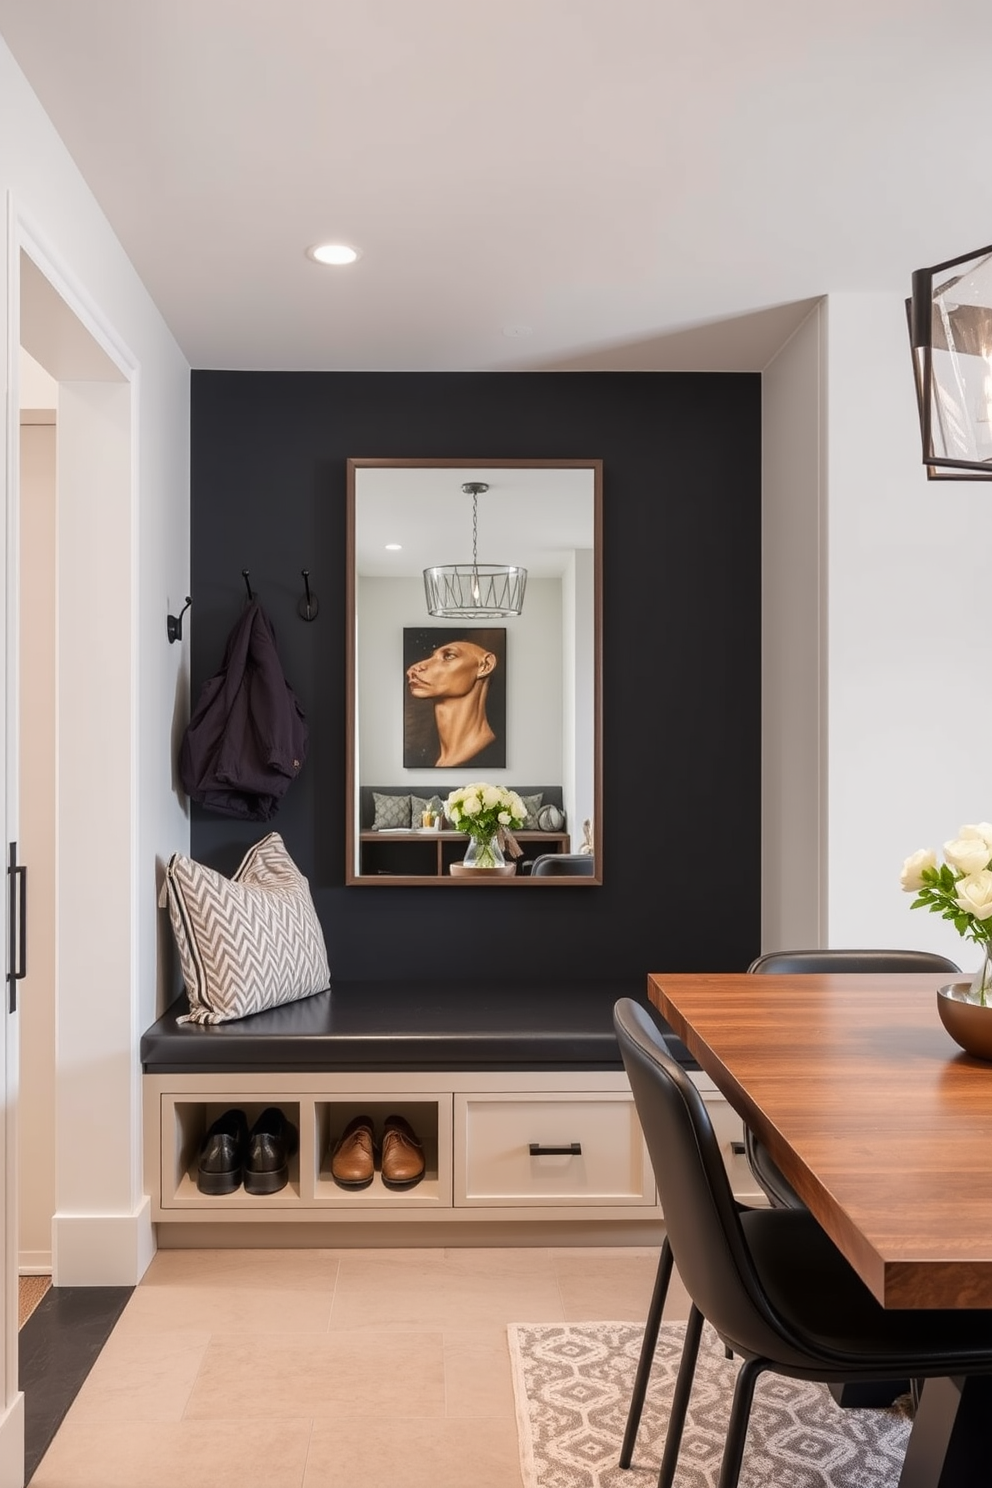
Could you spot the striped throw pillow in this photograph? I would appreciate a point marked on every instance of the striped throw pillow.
(248, 942)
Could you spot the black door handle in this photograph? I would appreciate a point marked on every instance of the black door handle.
(574, 1149)
(17, 923)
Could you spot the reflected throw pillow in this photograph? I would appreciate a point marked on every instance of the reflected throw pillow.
(246, 943)
(532, 805)
(391, 812)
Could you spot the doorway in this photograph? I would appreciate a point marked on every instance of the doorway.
(74, 450)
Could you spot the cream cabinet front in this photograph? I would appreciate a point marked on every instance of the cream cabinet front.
(499, 1146)
(585, 1148)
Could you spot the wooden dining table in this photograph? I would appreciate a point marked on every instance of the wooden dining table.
(884, 1128)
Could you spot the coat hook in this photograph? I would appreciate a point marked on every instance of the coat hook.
(308, 607)
(174, 623)
(244, 575)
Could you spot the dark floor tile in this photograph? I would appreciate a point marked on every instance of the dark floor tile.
(59, 1345)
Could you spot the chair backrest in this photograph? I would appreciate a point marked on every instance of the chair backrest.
(796, 962)
(564, 865)
(701, 1216)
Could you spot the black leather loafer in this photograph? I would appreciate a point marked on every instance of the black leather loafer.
(271, 1143)
(222, 1154)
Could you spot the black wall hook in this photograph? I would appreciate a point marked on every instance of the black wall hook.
(307, 607)
(174, 623)
(244, 575)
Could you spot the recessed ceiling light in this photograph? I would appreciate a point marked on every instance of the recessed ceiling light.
(333, 253)
(394, 547)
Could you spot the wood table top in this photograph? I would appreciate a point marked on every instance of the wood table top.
(881, 1124)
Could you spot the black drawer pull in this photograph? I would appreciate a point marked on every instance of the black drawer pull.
(574, 1149)
(738, 1149)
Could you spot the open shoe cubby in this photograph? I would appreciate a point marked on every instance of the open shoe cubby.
(184, 1125)
(430, 1120)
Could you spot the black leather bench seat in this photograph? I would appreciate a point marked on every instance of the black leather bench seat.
(404, 1026)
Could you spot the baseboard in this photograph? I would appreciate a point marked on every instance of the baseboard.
(376, 1235)
(12, 1444)
(34, 1263)
(102, 1249)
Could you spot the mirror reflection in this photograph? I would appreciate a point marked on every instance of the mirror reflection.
(474, 644)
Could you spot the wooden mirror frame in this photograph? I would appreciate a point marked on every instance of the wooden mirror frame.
(473, 469)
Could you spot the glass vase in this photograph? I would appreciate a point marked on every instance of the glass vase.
(484, 852)
(981, 982)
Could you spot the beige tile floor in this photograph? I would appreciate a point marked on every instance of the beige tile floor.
(327, 1368)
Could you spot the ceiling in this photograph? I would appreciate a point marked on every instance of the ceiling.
(425, 514)
(537, 184)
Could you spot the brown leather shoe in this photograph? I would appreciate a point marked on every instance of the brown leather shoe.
(402, 1155)
(353, 1158)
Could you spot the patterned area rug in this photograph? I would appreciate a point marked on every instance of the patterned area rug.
(573, 1384)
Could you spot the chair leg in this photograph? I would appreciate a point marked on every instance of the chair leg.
(740, 1412)
(651, 1327)
(680, 1399)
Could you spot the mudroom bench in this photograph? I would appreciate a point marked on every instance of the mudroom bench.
(517, 1094)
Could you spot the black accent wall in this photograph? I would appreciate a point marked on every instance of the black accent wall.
(681, 660)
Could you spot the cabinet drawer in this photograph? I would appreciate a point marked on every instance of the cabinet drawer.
(604, 1161)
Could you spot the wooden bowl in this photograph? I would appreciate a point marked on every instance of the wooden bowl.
(968, 1023)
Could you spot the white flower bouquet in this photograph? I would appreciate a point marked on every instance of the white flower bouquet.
(959, 890)
(480, 810)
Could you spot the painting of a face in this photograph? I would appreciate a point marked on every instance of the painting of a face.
(455, 697)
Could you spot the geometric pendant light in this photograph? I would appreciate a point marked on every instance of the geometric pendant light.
(475, 591)
(950, 326)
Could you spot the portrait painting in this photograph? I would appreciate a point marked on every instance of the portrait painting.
(454, 703)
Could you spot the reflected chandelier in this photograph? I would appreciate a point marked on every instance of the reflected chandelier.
(950, 322)
(475, 591)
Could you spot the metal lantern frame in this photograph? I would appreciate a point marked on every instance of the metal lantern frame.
(958, 334)
(475, 591)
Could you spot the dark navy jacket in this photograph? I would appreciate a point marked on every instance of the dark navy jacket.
(247, 738)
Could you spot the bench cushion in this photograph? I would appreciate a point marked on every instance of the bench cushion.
(405, 1026)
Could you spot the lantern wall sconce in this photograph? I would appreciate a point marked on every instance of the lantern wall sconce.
(950, 326)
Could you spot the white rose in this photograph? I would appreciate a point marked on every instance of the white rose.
(517, 806)
(968, 854)
(911, 876)
(491, 795)
(981, 831)
(974, 894)
(472, 806)
(504, 818)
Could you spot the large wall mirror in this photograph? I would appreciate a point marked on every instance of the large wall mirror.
(485, 675)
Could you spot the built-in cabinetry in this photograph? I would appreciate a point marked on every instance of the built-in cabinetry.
(431, 854)
(509, 1146)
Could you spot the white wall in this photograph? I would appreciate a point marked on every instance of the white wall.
(793, 659)
(909, 709)
(534, 687)
(875, 709)
(131, 686)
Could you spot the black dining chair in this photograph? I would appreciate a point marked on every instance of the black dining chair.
(562, 865)
(767, 1173)
(772, 1284)
(770, 1178)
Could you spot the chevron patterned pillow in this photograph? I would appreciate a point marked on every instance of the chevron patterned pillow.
(245, 943)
